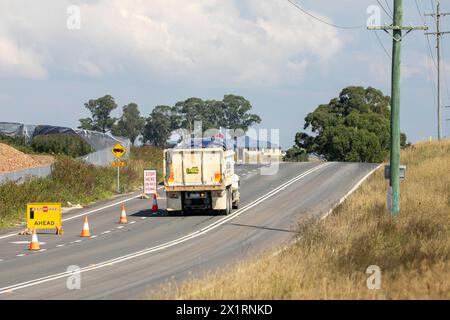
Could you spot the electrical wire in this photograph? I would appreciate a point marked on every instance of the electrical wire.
(385, 11)
(382, 45)
(445, 73)
(322, 20)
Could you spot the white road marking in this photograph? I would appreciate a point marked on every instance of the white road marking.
(25, 242)
(143, 218)
(83, 214)
(93, 237)
(169, 244)
(132, 222)
(107, 231)
(284, 248)
(119, 227)
(20, 255)
(42, 250)
(60, 245)
(350, 192)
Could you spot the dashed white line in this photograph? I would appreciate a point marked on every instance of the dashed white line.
(169, 244)
(119, 227)
(132, 222)
(107, 231)
(60, 245)
(93, 237)
(20, 255)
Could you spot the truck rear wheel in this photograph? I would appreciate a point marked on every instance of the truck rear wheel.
(229, 202)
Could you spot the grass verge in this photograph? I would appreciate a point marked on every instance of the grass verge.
(331, 256)
(76, 182)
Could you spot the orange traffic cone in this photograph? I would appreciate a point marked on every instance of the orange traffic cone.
(34, 244)
(155, 203)
(85, 232)
(123, 216)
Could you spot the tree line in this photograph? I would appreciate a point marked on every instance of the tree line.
(355, 126)
(232, 112)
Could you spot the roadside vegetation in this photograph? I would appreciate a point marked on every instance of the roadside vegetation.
(331, 256)
(355, 126)
(77, 182)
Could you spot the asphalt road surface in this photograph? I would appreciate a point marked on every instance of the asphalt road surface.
(130, 261)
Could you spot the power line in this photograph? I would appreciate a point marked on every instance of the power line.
(389, 8)
(382, 45)
(437, 15)
(385, 11)
(320, 19)
(420, 13)
(445, 72)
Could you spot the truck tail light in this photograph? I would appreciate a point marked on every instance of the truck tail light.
(217, 177)
(171, 178)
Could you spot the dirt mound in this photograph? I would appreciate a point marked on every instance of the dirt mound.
(14, 160)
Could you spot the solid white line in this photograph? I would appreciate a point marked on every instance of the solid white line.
(282, 249)
(350, 192)
(167, 244)
(83, 214)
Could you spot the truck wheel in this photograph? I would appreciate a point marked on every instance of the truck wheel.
(229, 202)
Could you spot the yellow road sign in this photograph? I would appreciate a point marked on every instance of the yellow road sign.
(118, 150)
(43, 215)
(118, 163)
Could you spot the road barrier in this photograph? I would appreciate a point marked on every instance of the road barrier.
(85, 232)
(34, 244)
(155, 203)
(123, 216)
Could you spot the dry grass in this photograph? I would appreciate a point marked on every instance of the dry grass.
(331, 256)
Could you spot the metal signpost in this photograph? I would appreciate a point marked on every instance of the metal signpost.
(118, 151)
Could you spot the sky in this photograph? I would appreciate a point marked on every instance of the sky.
(160, 52)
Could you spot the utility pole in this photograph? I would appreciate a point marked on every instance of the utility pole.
(437, 16)
(397, 36)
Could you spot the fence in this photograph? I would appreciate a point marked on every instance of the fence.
(102, 143)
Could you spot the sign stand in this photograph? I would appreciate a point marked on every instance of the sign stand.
(118, 151)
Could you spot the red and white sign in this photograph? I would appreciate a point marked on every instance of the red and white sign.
(150, 181)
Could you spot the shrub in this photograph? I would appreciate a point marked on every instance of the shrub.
(61, 144)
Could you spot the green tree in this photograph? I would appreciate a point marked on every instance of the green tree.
(101, 119)
(160, 124)
(130, 124)
(296, 154)
(352, 127)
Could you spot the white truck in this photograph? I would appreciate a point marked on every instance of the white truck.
(200, 179)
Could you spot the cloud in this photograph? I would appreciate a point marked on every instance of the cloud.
(233, 42)
(18, 61)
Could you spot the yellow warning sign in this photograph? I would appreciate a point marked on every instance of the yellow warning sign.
(118, 163)
(118, 151)
(43, 215)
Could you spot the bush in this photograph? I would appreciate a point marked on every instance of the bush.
(16, 142)
(61, 144)
(77, 182)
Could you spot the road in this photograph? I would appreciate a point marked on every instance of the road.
(131, 261)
